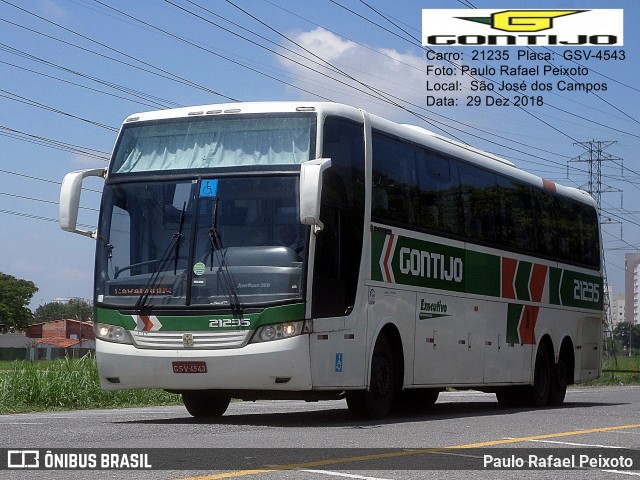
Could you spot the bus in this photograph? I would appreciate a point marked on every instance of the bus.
(294, 250)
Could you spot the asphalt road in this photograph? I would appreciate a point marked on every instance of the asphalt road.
(319, 441)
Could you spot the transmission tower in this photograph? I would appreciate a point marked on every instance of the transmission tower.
(594, 156)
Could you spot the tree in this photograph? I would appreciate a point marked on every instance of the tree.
(76, 308)
(15, 295)
(625, 331)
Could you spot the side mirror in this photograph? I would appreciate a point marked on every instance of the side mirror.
(311, 191)
(70, 199)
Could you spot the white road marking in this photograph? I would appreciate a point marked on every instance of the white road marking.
(341, 474)
(575, 444)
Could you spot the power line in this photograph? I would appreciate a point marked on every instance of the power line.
(193, 44)
(162, 103)
(55, 144)
(165, 74)
(69, 82)
(434, 123)
(18, 98)
(528, 146)
(416, 42)
(40, 179)
(41, 200)
(388, 98)
(38, 217)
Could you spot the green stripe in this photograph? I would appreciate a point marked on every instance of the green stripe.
(514, 313)
(481, 273)
(179, 323)
(523, 274)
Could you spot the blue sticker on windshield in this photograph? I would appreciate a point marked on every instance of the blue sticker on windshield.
(209, 188)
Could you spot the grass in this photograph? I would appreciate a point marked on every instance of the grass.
(616, 378)
(66, 384)
(70, 384)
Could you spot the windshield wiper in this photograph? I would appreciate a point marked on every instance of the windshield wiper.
(174, 245)
(223, 266)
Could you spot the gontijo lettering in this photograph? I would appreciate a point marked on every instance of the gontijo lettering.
(430, 265)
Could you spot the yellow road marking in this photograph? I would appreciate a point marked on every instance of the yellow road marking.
(377, 456)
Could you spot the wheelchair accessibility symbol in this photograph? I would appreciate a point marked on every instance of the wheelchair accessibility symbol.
(338, 362)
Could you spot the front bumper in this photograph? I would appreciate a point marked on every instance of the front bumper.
(277, 365)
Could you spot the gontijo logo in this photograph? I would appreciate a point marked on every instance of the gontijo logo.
(522, 27)
(522, 20)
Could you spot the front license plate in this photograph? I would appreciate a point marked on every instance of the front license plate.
(189, 367)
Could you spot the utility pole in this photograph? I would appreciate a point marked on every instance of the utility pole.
(594, 156)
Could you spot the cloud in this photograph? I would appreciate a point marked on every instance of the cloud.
(399, 77)
(85, 161)
(52, 10)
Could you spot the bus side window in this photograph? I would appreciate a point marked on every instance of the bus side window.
(339, 244)
(438, 206)
(518, 229)
(481, 201)
(395, 184)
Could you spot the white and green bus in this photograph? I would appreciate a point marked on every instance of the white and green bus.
(315, 251)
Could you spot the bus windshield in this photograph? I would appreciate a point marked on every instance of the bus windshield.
(210, 241)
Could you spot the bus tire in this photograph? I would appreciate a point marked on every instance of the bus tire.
(559, 379)
(376, 401)
(542, 377)
(205, 404)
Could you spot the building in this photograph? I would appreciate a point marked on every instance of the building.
(617, 302)
(63, 333)
(632, 287)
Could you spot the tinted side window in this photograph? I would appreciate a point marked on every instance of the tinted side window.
(518, 228)
(339, 245)
(544, 204)
(589, 235)
(481, 204)
(395, 182)
(439, 203)
(577, 231)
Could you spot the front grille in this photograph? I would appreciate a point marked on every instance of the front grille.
(201, 340)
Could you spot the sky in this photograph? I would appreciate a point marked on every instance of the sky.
(72, 70)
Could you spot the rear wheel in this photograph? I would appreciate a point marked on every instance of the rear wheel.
(559, 379)
(376, 402)
(545, 380)
(539, 391)
(205, 404)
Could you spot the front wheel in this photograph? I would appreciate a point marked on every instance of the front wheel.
(205, 404)
(376, 402)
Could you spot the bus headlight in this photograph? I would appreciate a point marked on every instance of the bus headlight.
(111, 333)
(279, 331)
